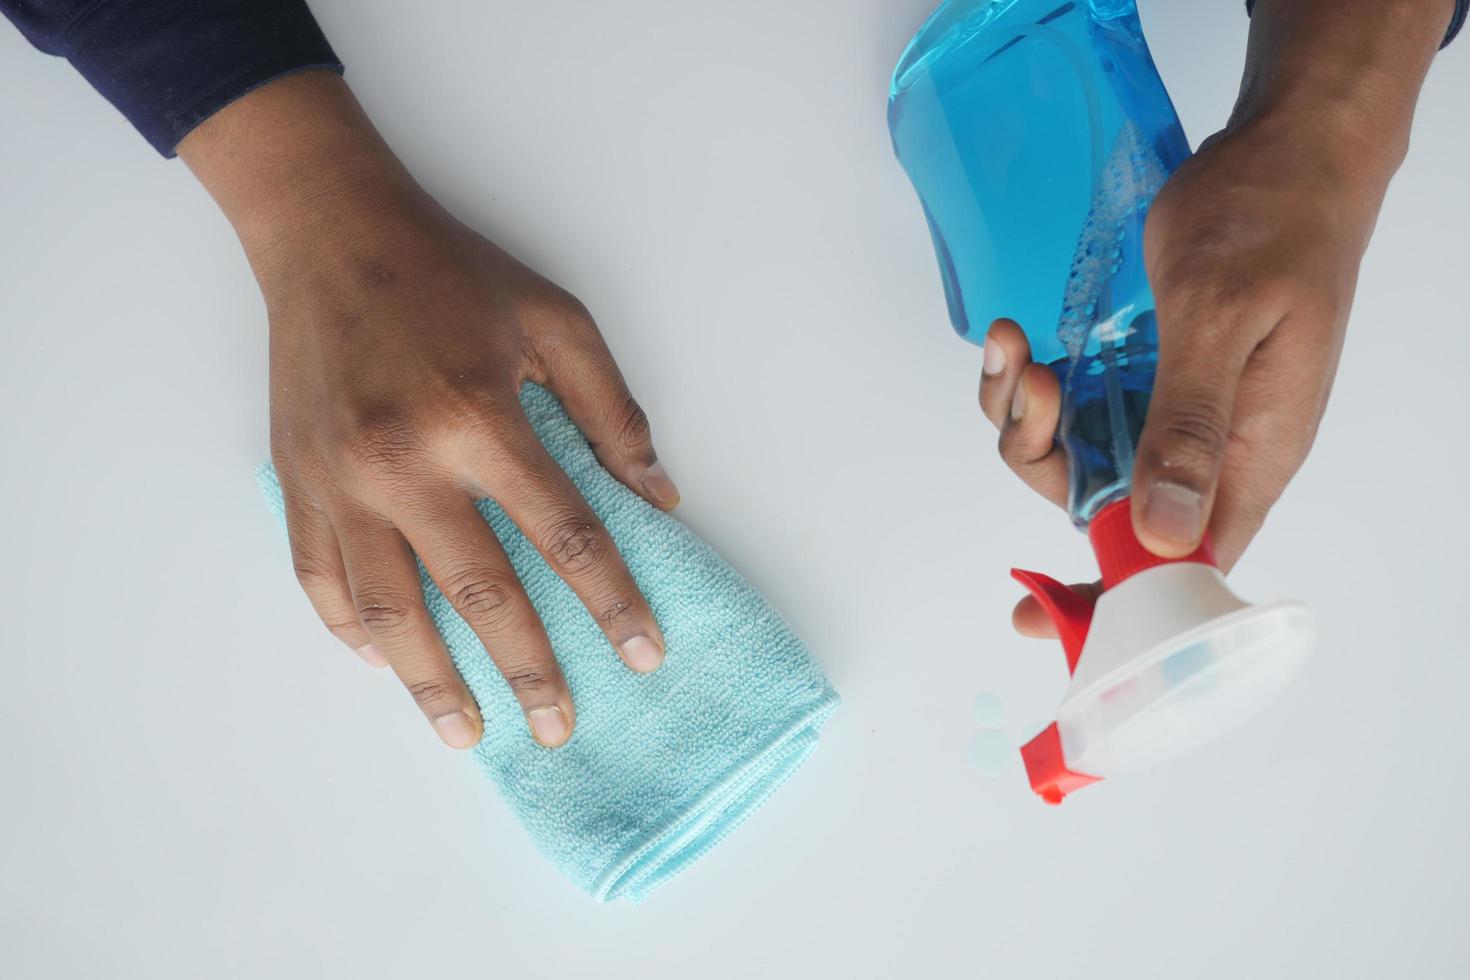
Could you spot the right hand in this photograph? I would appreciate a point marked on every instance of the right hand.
(1253, 248)
(399, 342)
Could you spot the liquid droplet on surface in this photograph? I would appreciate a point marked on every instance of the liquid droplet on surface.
(991, 753)
(988, 710)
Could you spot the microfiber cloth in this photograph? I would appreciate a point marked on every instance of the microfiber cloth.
(661, 766)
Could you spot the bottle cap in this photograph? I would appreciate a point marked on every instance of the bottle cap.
(1166, 658)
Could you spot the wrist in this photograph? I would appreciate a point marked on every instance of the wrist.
(1340, 79)
(297, 163)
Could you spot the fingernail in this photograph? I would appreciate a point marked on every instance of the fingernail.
(548, 726)
(1174, 512)
(457, 729)
(659, 486)
(1018, 401)
(642, 654)
(995, 358)
(372, 655)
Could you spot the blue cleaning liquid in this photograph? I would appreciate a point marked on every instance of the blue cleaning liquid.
(1037, 133)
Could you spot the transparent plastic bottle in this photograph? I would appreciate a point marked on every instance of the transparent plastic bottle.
(1037, 133)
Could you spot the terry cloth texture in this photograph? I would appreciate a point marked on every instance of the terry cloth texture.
(662, 766)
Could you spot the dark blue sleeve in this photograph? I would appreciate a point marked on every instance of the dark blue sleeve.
(169, 64)
(1456, 22)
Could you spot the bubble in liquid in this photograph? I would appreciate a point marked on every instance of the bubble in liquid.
(988, 710)
(991, 752)
(1129, 180)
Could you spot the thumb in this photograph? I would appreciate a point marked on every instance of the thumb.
(1177, 466)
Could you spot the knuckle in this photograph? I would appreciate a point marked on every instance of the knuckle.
(346, 630)
(385, 613)
(480, 425)
(1020, 450)
(557, 316)
(1194, 431)
(633, 428)
(526, 676)
(1206, 300)
(615, 613)
(500, 438)
(575, 543)
(314, 573)
(1226, 311)
(483, 406)
(575, 313)
(497, 436)
(480, 596)
(432, 690)
(381, 444)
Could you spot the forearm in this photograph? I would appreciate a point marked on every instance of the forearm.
(1341, 75)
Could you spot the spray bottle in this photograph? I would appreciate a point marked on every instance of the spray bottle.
(1037, 133)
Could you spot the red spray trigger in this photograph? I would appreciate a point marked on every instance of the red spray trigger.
(1071, 615)
(1069, 612)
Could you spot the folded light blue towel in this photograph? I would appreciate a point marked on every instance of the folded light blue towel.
(661, 766)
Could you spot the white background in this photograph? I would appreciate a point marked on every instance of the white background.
(195, 781)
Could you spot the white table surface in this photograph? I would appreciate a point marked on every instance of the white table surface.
(195, 780)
